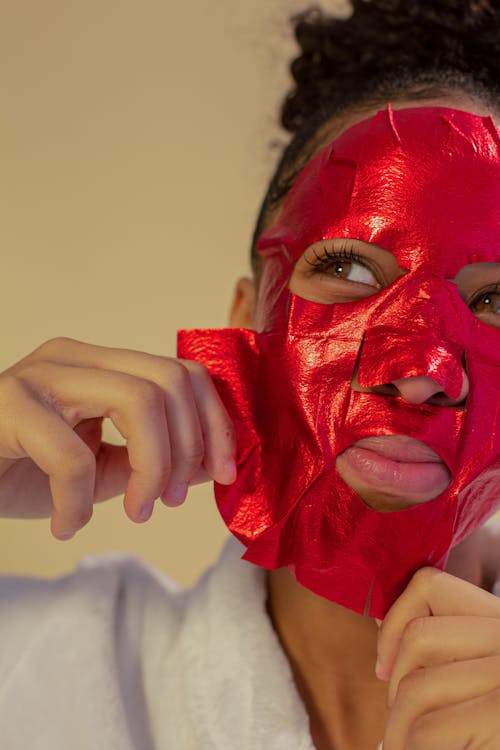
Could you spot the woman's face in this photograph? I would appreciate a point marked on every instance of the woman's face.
(371, 378)
(346, 269)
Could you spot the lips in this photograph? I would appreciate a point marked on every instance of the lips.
(393, 472)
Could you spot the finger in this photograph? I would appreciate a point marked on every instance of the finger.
(201, 433)
(430, 592)
(185, 416)
(69, 351)
(429, 689)
(428, 641)
(112, 471)
(135, 406)
(200, 476)
(112, 465)
(473, 724)
(141, 420)
(185, 434)
(65, 459)
(90, 431)
(216, 425)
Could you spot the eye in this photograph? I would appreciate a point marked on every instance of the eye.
(486, 305)
(345, 264)
(343, 269)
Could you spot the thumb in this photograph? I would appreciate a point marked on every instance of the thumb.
(112, 471)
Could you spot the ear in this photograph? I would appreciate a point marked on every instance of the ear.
(243, 306)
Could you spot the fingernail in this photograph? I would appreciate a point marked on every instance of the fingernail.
(175, 495)
(66, 535)
(379, 669)
(229, 467)
(146, 511)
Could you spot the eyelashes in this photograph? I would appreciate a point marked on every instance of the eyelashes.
(345, 252)
(346, 264)
(344, 270)
(483, 292)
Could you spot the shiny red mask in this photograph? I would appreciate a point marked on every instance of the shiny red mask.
(422, 183)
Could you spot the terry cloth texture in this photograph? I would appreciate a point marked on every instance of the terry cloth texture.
(116, 657)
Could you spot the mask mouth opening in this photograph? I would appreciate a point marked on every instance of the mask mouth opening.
(393, 472)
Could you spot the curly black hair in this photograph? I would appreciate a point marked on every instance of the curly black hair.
(386, 50)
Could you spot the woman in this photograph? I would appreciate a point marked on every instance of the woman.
(247, 659)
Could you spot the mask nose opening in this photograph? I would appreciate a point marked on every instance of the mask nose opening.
(415, 390)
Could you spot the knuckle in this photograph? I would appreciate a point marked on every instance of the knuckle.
(145, 393)
(424, 577)
(79, 462)
(410, 685)
(12, 388)
(55, 345)
(35, 376)
(195, 368)
(415, 631)
(176, 375)
(32, 373)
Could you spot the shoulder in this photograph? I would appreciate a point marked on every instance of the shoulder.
(144, 657)
(106, 595)
(96, 578)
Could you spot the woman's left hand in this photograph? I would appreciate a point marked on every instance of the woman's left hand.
(439, 648)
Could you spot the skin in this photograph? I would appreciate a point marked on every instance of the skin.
(333, 651)
(54, 464)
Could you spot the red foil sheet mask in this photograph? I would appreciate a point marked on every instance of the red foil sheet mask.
(422, 183)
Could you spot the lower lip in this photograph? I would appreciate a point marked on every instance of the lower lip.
(409, 482)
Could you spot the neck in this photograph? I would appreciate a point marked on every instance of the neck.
(332, 652)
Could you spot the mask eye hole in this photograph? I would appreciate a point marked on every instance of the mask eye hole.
(479, 287)
(345, 264)
(343, 270)
(486, 305)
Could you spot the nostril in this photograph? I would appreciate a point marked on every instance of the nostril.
(441, 399)
(385, 389)
(415, 390)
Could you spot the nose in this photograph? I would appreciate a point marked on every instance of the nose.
(420, 367)
(424, 389)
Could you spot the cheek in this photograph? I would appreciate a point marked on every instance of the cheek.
(273, 292)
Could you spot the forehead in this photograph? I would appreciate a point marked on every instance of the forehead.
(423, 179)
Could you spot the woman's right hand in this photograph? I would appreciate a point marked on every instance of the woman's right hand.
(52, 458)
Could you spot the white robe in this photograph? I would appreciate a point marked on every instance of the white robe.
(115, 657)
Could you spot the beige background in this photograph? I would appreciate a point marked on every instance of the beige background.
(135, 146)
